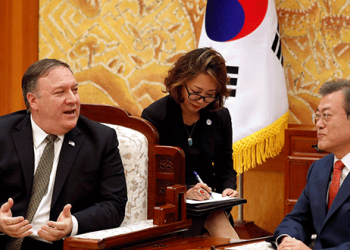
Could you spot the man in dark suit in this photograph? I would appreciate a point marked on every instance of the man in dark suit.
(86, 189)
(323, 207)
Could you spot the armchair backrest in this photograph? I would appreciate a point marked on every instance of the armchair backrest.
(133, 149)
(161, 159)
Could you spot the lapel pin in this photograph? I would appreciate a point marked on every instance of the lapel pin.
(209, 122)
(71, 143)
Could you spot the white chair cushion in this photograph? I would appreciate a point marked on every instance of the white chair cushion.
(102, 234)
(133, 147)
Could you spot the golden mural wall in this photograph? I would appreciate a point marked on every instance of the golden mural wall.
(315, 40)
(120, 50)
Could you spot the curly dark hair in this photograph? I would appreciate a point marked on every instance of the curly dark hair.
(196, 62)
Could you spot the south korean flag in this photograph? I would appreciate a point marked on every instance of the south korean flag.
(246, 33)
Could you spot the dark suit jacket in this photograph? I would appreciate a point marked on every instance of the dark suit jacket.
(212, 138)
(310, 216)
(90, 175)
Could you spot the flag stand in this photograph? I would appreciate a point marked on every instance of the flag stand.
(240, 190)
(247, 229)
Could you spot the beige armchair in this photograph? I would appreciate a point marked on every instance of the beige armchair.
(155, 184)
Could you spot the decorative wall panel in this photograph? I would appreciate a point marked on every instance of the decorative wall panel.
(119, 50)
(316, 48)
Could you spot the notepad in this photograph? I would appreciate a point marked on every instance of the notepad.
(216, 197)
(198, 208)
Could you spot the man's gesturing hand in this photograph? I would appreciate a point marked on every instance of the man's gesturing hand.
(61, 228)
(16, 227)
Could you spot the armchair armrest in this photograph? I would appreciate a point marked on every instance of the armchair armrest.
(175, 208)
(126, 240)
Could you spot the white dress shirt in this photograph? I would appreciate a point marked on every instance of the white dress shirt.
(42, 214)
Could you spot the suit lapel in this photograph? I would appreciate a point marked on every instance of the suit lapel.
(175, 120)
(23, 140)
(208, 140)
(323, 187)
(70, 148)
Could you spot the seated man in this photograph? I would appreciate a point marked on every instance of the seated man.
(60, 173)
(322, 209)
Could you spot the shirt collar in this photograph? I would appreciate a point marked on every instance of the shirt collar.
(39, 135)
(345, 160)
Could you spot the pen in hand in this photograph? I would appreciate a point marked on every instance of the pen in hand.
(200, 181)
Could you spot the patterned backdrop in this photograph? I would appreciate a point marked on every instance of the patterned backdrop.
(120, 50)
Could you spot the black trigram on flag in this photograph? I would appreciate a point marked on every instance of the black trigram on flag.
(276, 45)
(232, 72)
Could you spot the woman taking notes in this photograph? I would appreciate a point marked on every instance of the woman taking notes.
(193, 118)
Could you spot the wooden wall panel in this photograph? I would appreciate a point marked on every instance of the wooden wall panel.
(263, 187)
(19, 46)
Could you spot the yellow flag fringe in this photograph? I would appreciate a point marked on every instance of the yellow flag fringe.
(257, 147)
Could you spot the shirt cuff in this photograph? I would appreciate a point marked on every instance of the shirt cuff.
(74, 229)
(75, 226)
(279, 239)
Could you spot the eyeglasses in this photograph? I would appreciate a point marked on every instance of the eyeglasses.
(197, 97)
(325, 117)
